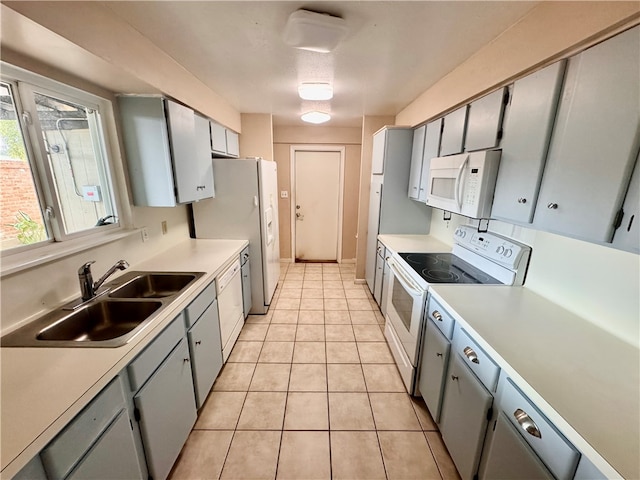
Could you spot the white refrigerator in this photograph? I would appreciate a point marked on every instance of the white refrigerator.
(246, 207)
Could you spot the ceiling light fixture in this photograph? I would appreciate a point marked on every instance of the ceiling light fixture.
(315, 117)
(318, 32)
(315, 91)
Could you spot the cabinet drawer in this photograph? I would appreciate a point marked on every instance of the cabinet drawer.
(151, 357)
(60, 456)
(440, 318)
(560, 457)
(200, 304)
(477, 359)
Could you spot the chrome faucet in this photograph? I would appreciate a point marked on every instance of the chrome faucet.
(87, 286)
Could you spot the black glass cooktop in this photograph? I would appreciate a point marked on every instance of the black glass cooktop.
(446, 268)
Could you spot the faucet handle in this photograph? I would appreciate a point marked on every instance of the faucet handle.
(86, 268)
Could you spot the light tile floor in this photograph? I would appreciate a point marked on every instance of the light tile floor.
(310, 391)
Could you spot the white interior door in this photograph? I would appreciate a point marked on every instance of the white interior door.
(317, 204)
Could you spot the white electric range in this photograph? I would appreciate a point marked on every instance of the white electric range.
(480, 258)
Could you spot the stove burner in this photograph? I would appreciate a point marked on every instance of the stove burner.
(446, 268)
(440, 276)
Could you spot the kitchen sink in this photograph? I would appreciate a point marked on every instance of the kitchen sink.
(153, 285)
(99, 321)
(120, 311)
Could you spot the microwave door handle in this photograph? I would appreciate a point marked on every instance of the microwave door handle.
(408, 285)
(459, 182)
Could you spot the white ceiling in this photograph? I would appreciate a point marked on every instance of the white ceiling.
(393, 52)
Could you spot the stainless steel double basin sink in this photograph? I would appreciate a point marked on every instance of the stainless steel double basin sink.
(116, 315)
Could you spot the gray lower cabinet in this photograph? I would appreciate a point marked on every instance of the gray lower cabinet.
(509, 457)
(385, 284)
(167, 411)
(464, 417)
(97, 436)
(206, 352)
(377, 283)
(245, 271)
(435, 358)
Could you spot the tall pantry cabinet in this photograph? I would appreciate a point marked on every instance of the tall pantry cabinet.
(390, 209)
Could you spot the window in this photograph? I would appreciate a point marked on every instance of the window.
(55, 181)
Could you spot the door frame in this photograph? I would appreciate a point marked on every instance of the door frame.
(292, 165)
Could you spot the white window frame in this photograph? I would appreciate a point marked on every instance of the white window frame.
(61, 244)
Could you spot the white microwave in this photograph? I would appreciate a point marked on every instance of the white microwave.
(464, 184)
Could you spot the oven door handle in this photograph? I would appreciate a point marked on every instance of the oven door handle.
(407, 283)
(459, 182)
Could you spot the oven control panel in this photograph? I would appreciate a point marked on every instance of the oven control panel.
(500, 249)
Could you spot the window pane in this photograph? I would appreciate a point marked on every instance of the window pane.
(21, 220)
(73, 143)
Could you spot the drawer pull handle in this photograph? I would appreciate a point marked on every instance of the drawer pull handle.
(437, 315)
(527, 424)
(471, 355)
(454, 377)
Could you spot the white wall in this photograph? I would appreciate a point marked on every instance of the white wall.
(598, 283)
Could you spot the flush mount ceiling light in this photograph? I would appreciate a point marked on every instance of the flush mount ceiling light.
(315, 91)
(315, 117)
(318, 32)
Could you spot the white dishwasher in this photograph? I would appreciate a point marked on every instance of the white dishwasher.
(229, 286)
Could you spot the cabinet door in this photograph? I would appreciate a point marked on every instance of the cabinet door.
(377, 283)
(202, 173)
(485, 122)
(627, 235)
(112, 456)
(233, 144)
(246, 287)
(184, 151)
(385, 285)
(206, 352)
(417, 151)
(435, 357)
(594, 141)
(526, 140)
(510, 458)
(463, 419)
(377, 155)
(455, 124)
(375, 199)
(218, 138)
(167, 411)
(431, 150)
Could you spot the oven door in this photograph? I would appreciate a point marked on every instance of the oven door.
(405, 306)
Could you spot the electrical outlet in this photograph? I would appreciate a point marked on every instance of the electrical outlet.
(145, 234)
(164, 227)
(284, 194)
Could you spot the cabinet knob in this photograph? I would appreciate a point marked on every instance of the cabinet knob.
(527, 424)
(522, 200)
(438, 354)
(199, 342)
(454, 377)
(552, 206)
(437, 315)
(471, 355)
(185, 360)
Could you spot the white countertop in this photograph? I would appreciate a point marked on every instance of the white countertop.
(413, 243)
(44, 388)
(584, 379)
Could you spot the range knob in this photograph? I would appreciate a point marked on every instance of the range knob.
(508, 252)
(462, 233)
(500, 250)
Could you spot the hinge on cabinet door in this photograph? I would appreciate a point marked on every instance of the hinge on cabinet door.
(131, 424)
(495, 423)
(505, 99)
(617, 220)
(136, 414)
(500, 133)
(489, 413)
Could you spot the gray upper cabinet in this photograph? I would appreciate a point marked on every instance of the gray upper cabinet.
(378, 153)
(431, 150)
(527, 131)
(164, 152)
(594, 142)
(484, 121)
(202, 175)
(627, 235)
(455, 124)
(416, 162)
(224, 142)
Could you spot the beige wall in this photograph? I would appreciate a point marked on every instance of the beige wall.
(370, 125)
(284, 137)
(98, 30)
(256, 139)
(550, 31)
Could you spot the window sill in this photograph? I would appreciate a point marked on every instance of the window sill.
(19, 262)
